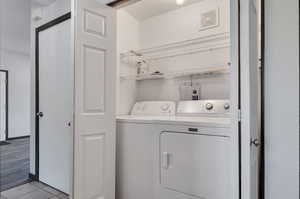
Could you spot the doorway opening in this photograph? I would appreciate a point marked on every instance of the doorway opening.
(37, 52)
(54, 118)
(152, 67)
(175, 69)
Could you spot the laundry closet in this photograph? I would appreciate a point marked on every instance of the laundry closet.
(174, 136)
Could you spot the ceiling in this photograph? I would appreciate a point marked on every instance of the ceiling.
(144, 9)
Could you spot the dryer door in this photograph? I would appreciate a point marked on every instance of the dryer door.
(196, 165)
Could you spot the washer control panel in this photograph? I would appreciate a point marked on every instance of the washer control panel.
(154, 108)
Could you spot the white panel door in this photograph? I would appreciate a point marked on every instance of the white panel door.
(3, 102)
(95, 72)
(56, 102)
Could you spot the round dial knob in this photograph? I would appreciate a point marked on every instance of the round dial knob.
(165, 107)
(209, 106)
(226, 106)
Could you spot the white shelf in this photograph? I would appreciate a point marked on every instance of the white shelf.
(202, 44)
(199, 71)
(213, 70)
(198, 45)
(150, 76)
(142, 77)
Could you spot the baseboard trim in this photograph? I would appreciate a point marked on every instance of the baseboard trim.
(16, 138)
(52, 187)
(33, 177)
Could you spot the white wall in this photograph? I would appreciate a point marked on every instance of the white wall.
(15, 57)
(57, 9)
(18, 66)
(211, 87)
(15, 25)
(128, 38)
(179, 25)
(282, 99)
(183, 24)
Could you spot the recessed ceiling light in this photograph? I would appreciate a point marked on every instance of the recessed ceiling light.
(180, 2)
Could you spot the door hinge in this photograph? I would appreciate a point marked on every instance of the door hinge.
(239, 115)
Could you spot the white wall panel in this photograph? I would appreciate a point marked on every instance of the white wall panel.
(93, 174)
(95, 23)
(18, 66)
(94, 73)
(14, 57)
(128, 38)
(282, 99)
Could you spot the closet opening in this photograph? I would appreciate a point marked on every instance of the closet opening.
(179, 66)
(54, 118)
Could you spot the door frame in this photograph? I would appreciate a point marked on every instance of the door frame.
(6, 103)
(50, 24)
(236, 96)
(238, 100)
(262, 98)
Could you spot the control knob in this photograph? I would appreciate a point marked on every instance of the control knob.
(226, 106)
(165, 107)
(209, 106)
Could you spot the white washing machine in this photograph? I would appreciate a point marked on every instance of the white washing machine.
(136, 136)
(175, 156)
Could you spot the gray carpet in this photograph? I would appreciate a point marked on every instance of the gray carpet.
(14, 163)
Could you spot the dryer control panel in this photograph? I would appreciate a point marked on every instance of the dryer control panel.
(198, 107)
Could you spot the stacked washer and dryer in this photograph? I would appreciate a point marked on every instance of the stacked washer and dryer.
(175, 151)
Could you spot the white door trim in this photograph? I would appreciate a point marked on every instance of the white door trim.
(5, 137)
(249, 97)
